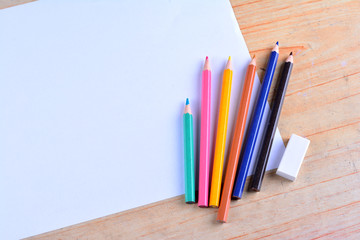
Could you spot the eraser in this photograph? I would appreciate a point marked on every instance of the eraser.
(293, 157)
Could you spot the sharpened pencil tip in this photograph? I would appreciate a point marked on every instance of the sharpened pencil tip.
(290, 58)
(229, 65)
(253, 61)
(207, 64)
(187, 107)
(276, 47)
(254, 56)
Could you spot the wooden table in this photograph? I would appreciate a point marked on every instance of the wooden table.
(322, 104)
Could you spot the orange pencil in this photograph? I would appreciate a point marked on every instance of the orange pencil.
(236, 143)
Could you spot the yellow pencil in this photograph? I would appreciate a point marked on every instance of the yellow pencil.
(221, 136)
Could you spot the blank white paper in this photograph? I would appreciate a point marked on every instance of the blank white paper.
(91, 102)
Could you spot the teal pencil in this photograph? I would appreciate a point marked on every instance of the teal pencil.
(189, 167)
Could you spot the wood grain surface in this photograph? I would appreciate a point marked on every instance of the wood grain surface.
(12, 3)
(322, 104)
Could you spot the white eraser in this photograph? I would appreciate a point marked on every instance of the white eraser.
(293, 157)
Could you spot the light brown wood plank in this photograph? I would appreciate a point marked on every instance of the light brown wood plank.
(11, 3)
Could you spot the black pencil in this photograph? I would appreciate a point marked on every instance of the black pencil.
(265, 149)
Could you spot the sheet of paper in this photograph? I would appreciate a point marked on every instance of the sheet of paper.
(91, 102)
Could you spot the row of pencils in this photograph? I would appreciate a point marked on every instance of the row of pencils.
(237, 169)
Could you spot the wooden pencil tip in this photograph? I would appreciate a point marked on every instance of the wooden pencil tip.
(187, 108)
(276, 48)
(229, 65)
(290, 58)
(253, 61)
(207, 64)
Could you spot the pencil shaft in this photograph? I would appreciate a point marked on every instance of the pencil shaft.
(265, 148)
(204, 164)
(255, 126)
(236, 144)
(189, 158)
(220, 139)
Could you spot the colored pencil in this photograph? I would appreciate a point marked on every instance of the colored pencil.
(255, 124)
(236, 142)
(221, 136)
(189, 167)
(204, 162)
(263, 157)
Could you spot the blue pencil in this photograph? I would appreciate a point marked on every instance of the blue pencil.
(255, 124)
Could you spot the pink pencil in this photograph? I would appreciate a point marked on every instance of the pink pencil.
(205, 137)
